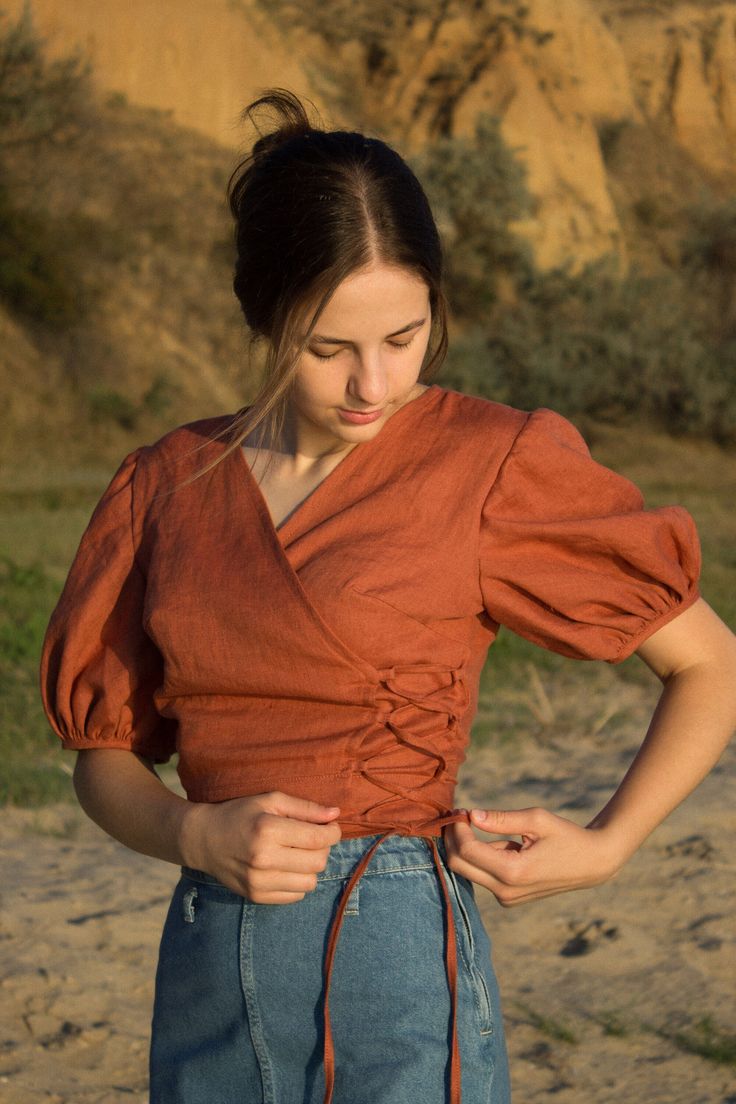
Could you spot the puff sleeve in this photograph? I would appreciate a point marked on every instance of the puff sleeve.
(569, 557)
(99, 668)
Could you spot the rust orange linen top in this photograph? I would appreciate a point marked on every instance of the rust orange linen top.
(285, 658)
(337, 657)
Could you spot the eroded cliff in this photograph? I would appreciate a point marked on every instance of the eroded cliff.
(590, 69)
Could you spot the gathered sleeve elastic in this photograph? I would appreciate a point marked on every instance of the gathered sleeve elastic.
(99, 668)
(568, 556)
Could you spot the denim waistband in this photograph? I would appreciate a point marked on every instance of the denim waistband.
(394, 854)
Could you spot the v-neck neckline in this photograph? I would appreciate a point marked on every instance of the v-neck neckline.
(283, 530)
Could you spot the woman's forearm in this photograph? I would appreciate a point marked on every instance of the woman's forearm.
(127, 799)
(695, 657)
(691, 726)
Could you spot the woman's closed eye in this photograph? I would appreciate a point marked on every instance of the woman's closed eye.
(394, 344)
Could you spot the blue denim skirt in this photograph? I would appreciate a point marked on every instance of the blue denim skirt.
(238, 1008)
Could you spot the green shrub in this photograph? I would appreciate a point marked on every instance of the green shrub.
(711, 241)
(160, 395)
(631, 349)
(38, 278)
(41, 100)
(108, 405)
(650, 212)
(476, 188)
(31, 773)
(708, 256)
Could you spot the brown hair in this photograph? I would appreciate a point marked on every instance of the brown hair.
(312, 206)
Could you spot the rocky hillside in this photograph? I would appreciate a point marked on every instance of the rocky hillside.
(579, 83)
(156, 336)
(623, 114)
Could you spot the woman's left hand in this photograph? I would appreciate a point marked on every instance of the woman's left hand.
(554, 855)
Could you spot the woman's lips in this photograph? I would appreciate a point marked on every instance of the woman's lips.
(357, 418)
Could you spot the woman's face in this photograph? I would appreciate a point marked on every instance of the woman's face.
(365, 355)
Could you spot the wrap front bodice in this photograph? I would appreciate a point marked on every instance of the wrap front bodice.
(337, 658)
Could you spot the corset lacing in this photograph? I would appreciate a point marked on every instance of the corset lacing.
(427, 828)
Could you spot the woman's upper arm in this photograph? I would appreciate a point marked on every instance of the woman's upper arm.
(88, 757)
(695, 637)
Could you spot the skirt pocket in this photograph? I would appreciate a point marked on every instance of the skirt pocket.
(462, 891)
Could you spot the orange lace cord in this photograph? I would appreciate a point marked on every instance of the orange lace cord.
(422, 829)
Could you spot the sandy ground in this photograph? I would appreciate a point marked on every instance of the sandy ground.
(596, 984)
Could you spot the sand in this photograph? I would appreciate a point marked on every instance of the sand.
(596, 984)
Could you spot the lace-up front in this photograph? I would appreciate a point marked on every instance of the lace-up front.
(419, 706)
(435, 704)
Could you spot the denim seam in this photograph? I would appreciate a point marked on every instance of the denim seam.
(460, 946)
(255, 1024)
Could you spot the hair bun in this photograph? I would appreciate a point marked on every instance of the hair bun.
(292, 120)
(267, 143)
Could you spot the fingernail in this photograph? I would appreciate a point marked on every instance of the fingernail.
(479, 814)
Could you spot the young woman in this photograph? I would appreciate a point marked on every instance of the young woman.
(298, 599)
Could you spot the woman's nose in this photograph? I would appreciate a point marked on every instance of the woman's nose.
(368, 381)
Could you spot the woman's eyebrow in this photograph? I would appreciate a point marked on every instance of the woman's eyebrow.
(344, 341)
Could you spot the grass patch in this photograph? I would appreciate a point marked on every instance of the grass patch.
(612, 1024)
(706, 1039)
(546, 1025)
(33, 770)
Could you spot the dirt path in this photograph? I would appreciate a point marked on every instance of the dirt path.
(596, 985)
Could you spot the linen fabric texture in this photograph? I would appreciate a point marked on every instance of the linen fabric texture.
(338, 656)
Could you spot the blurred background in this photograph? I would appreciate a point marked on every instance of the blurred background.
(581, 160)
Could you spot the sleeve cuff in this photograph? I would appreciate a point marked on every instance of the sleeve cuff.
(150, 751)
(648, 628)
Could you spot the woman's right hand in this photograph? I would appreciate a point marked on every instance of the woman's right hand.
(268, 847)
